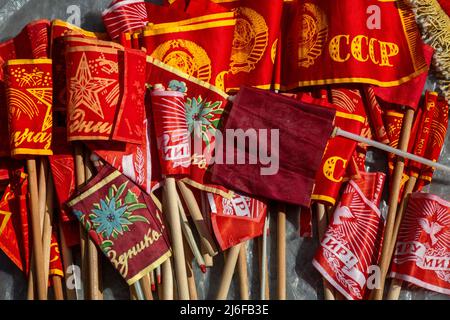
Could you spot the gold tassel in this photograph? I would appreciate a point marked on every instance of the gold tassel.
(436, 32)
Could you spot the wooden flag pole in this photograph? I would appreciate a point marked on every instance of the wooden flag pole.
(167, 280)
(396, 284)
(393, 202)
(264, 262)
(58, 288)
(209, 262)
(146, 287)
(71, 294)
(80, 179)
(243, 272)
(198, 219)
(38, 257)
(328, 289)
(170, 191)
(281, 257)
(189, 237)
(190, 273)
(95, 287)
(228, 271)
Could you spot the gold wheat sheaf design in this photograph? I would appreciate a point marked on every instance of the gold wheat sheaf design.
(185, 56)
(250, 42)
(313, 34)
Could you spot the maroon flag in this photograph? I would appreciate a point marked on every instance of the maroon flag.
(124, 222)
(353, 239)
(298, 133)
(422, 251)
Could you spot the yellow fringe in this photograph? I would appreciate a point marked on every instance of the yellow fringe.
(436, 31)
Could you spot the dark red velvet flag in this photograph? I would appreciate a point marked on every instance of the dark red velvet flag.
(292, 133)
(124, 222)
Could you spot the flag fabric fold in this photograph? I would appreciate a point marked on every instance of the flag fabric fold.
(353, 239)
(123, 222)
(422, 250)
(303, 131)
(125, 16)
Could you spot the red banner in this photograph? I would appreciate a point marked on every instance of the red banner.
(255, 42)
(30, 94)
(340, 42)
(436, 141)
(353, 239)
(200, 47)
(124, 16)
(172, 133)
(56, 266)
(124, 222)
(350, 116)
(14, 231)
(236, 220)
(422, 250)
(205, 105)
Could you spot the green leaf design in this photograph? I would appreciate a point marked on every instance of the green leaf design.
(139, 219)
(121, 189)
(131, 198)
(136, 206)
(106, 245)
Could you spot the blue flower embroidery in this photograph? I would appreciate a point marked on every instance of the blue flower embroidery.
(110, 219)
(176, 85)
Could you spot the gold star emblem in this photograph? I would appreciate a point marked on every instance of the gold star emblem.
(84, 88)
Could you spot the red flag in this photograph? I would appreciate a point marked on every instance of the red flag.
(125, 16)
(422, 250)
(56, 266)
(14, 232)
(350, 116)
(298, 133)
(31, 43)
(172, 133)
(353, 239)
(105, 87)
(336, 42)
(205, 105)
(124, 222)
(436, 141)
(236, 220)
(255, 42)
(201, 49)
(30, 118)
(410, 92)
(375, 115)
(62, 166)
(423, 131)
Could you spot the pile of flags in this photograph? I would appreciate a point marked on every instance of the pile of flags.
(170, 138)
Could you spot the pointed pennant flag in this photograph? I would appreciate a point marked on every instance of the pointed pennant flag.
(124, 222)
(422, 250)
(236, 220)
(353, 239)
